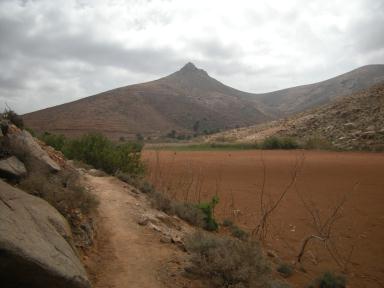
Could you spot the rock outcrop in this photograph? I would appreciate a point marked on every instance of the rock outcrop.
(21, 143)
(35, 244)
(12, 168)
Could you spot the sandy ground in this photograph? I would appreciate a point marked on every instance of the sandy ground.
(324, 179)
(128, 254)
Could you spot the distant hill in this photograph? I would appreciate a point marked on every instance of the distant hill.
(297, 99)
(190, 101)
(352, 122)
(187, 101)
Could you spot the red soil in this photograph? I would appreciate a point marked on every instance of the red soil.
(325, 177)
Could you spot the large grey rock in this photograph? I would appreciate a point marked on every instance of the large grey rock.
(35, 244)
(21, 143)
(12, 168)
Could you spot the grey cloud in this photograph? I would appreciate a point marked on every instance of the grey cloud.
(50, 56)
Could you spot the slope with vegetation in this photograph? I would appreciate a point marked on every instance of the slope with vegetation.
(354, 122)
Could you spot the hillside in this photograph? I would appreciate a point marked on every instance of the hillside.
(176, 102)
(352, 122)
(190, 101)
(297, 99)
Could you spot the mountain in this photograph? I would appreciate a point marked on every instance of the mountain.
(297, 99)
(188, 100)
(355, 121)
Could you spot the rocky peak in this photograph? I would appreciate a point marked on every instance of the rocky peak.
(190, 68)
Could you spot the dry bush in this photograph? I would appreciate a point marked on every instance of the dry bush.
(228, 262)
(323, 226)
(64, 192)
(268, 205)
(186, 211)
(161, 202)
(189, 213)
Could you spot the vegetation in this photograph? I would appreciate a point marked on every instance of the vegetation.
(318, 143)
(208, 209)
(329, 280)
(64, 191)
(199, 215)
(228, 262)
(239, 233)
(209, 147)
(100, 152)
(274, 142)
(14, 118)
(235, 230)
(285, 270)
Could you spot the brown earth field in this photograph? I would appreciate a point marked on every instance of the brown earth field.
(323, 180)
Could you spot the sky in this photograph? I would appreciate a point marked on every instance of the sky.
(53, 52)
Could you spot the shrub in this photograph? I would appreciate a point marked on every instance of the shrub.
(100, 152)
(55, 141)
(239, 233)
(62, 190)
(200, 215)
(227, 262)
(14, 118)
(227, 223)
(274, 142)
(285, 270)
(161, 202)
(331, 280)
(318, 143)
(190, 213)
(207, 208)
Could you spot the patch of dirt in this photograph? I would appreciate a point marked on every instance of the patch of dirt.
(236, 176)
(130, 251)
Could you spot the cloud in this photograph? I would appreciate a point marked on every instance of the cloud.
(53, 52)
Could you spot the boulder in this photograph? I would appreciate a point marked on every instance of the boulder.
(21, 143)
(36, 244)
(12, 168)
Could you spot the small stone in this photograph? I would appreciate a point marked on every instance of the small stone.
(165, 239)
(272, 254)
(143, 221)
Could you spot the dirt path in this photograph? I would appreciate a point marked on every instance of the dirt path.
(128, 254)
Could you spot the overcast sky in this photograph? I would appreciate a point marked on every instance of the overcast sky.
(52, 52)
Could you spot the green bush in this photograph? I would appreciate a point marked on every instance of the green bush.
(239, 233)
(227, 262)
(285, 270)
(199, 215)
(207, 208)
(331, 280)
(274, 142)
(53, 140)
(100, 152)
(318, 143)
(227, 223)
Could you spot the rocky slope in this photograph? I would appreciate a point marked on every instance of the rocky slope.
(36, 242)
(190, 101)
(352, 122)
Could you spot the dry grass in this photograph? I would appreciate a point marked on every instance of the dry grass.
(63, 191)
(228, 262)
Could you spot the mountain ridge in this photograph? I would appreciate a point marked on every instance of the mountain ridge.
(189, 101)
